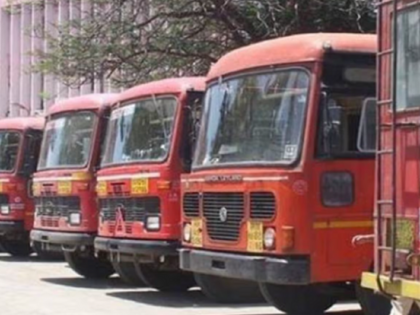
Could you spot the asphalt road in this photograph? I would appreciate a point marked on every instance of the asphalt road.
(35, 287)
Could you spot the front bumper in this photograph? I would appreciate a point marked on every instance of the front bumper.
(287, 270)
(63, 238)
(398, 287)
(137, 247)
(7, 227)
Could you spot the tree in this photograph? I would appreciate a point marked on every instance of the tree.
(133, 41)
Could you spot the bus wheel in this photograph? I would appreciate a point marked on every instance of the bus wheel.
(297, 300)
(127, 272)
(372, 303)
(228, 290)
(45, 254)
(16, 248)
(165, 280)
(88, 265)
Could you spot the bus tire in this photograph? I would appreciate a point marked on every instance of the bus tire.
(228, 290)
(372, 303)
(17, 248)
(127, 272)
(297, 299)
(165, 280)
(89, 266)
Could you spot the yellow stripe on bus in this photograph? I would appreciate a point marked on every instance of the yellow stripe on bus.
(342, 224)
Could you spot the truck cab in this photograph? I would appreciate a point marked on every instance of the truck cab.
(66, 210)
(20, 141)
(148, 146)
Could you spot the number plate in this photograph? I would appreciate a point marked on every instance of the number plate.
(255, 237)
(64, 188)
(140, 186)
(197, 232)
(101, 188)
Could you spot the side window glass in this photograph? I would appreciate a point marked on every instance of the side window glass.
(408, 61)
(191, 126)
(339, 126)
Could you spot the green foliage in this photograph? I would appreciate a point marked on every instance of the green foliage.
(133, 41)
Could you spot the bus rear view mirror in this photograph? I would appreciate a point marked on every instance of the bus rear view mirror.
(366, 138)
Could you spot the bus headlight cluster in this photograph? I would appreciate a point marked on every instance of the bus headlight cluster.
(187, 232)
(269, 238)
(153, 223)
(75, 218)
(5, 209)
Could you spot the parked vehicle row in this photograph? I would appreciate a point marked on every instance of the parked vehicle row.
(250, 183)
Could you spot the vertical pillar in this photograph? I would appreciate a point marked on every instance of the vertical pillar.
(63, 18)
(50, 22)
(15, 67)
(4, 61)
(37, 34)
(25, 57)
(86, 14)
(74, 15)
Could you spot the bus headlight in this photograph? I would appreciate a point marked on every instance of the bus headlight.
(269, 238)
(187, 232)
(5, 209)
(75, 218)
(153, 223)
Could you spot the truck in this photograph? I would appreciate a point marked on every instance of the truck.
(396, 272)
(66, 210)
(278, 186)
(148, 146)
(20, 141)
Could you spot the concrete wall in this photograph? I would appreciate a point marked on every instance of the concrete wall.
(18, 38)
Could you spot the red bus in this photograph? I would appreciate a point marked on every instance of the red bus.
(20, 140)
(397, 216)
(148, 146)
(278, 186)
(66, 211)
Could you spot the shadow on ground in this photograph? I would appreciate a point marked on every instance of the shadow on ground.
(193, 298)
(33, 259)
(82, 283)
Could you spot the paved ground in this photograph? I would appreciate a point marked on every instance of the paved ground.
(34, 287)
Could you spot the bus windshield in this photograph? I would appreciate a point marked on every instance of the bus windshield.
(68, 140)
(9, 149)
(254, 119)
(140, 131)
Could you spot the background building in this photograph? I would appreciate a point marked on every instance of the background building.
(23, 24)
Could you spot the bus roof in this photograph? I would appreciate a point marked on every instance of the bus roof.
(83, 102)
(291, 49)
(22, 123)
(165, 86)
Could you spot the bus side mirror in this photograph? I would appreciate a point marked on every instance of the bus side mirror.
(335, 114)
(366, 138)
(332, 113)
(192, 118)
(28, 165)
(32, 144)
